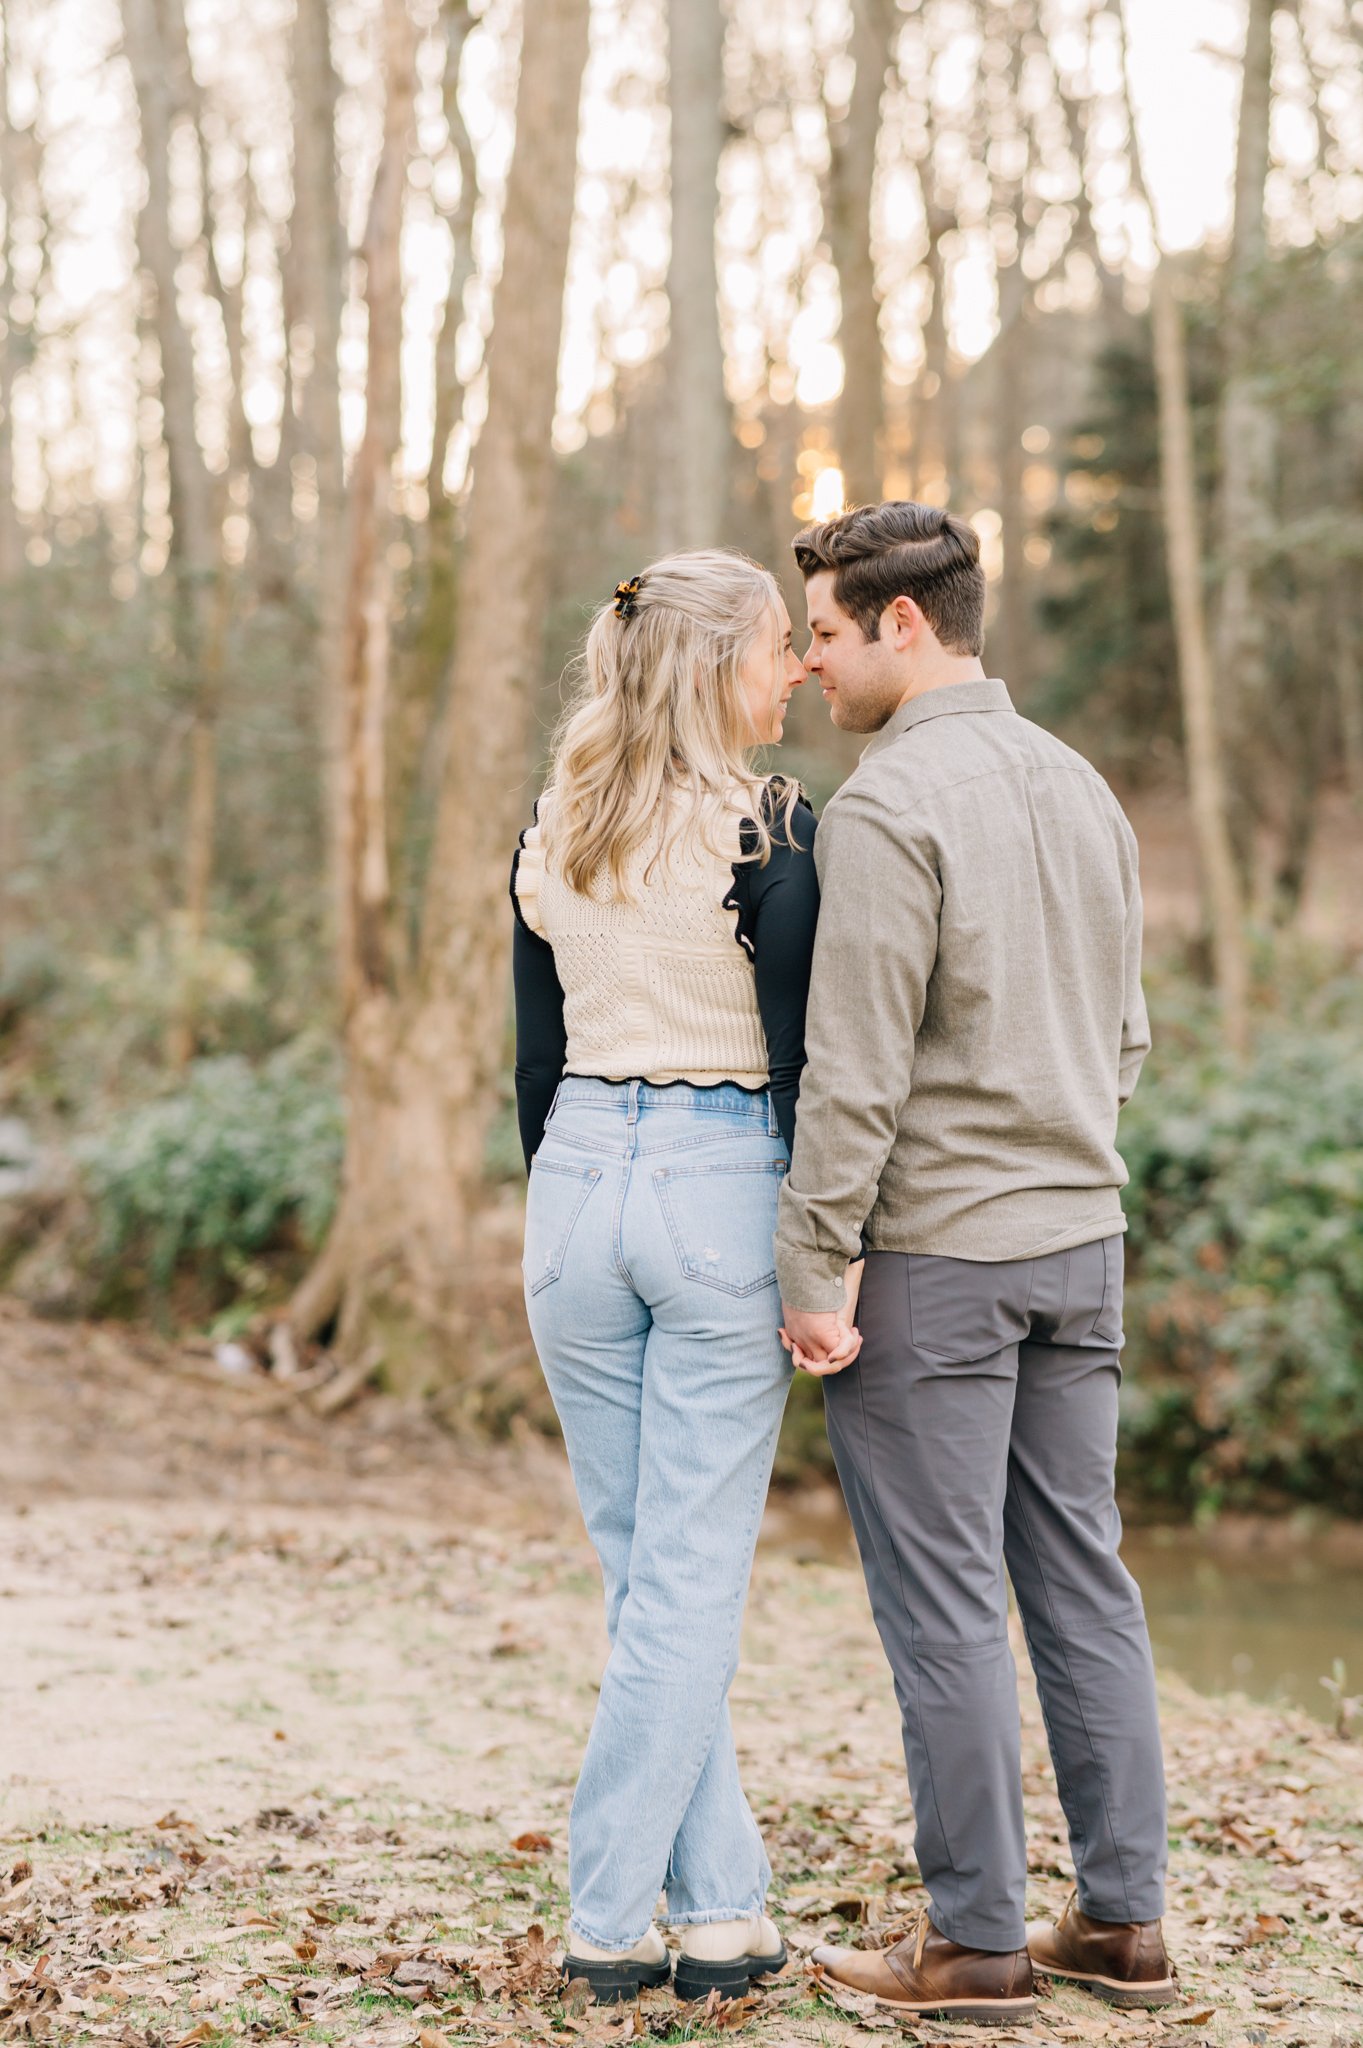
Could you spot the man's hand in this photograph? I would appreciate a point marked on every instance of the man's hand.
(822, 1342)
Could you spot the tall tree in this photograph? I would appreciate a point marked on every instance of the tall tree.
(1202, 741)
(200, 584)
(457, 18)
(1246, 443)
(693, 509)
(934, 437)
(424, 1027)
(315, 292)
(1012, 152)
(364, 681)
(852, 139)
(11, 549)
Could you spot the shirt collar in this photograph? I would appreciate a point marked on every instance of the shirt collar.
(985, 693)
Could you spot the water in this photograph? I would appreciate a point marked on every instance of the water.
(1265, 1617)
(1252, 1607)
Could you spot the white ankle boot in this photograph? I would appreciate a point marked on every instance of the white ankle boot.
(650, 1948)
(615, 1974)
(722, 1941)
(725, 1956)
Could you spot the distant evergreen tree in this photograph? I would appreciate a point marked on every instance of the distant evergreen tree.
(1110, 672)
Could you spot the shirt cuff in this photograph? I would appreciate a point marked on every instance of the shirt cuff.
(814, 1282)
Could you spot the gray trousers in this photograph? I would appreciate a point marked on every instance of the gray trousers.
(978, 1427)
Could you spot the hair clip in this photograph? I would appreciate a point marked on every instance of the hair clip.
(627, 598)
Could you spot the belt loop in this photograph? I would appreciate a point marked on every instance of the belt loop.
(773, 1128)
(633, 1099)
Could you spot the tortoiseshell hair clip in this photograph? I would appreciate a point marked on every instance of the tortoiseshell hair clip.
(627, 598)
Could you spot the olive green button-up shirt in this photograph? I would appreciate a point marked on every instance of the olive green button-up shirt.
(976, 1016)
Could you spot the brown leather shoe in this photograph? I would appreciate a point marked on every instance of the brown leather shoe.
(929, 1975)
(1122, 1961)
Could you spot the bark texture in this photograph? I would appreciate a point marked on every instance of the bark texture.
(696, 413)
(152, 37)
(1013, 646)
(851, 180)
(1201, 738)
(458, 20)
(424, 1041)
(1202, 741)
(1247, 453)
(315, 291)
(11, 543)
(933, 423)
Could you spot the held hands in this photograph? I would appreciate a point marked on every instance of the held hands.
(823, 1342)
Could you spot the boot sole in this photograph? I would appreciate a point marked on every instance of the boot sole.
(1112, 1990)
(695, 1979)
(613, 1983)
(990, 2012)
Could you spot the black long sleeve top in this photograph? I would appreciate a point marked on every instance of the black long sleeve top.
(778, 908)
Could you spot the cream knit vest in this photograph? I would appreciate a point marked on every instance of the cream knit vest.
(658, 989)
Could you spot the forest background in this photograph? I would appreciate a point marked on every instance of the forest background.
(350, 353)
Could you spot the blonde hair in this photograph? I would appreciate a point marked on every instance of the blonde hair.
(658, 734)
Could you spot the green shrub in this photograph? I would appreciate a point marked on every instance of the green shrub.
(30, 974)
(239, 1163)
(1244, 1319)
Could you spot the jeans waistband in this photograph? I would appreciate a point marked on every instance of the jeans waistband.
(723, 1098)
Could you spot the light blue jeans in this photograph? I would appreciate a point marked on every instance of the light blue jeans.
(651, 1287)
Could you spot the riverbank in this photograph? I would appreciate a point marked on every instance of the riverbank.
(293, 1711)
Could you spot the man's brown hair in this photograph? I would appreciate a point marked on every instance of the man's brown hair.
(899, 549)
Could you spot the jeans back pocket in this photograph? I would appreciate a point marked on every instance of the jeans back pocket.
(557, 1195)
(722, 1221)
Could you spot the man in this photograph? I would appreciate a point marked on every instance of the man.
(975, 1021)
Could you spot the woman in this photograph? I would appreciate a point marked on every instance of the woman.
(666, 903)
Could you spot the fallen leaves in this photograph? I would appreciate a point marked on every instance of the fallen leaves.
(424, 1915)
(1263, 1927)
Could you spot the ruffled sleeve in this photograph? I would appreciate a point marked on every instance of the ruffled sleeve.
(541, 1033)
(527, 870)
(776, 910)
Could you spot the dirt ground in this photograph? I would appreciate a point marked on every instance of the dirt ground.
(292, 1709)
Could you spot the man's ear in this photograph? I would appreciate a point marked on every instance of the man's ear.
(906, 623)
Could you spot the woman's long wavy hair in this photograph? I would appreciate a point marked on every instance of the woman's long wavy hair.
(658, 733)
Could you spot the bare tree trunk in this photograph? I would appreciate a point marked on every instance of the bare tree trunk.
(1078, 114)
(11, 540)
(1183, 551)
(935, 453)
(1246, 441)
(458, 19)
(423, 1062)
(417, 732)
(318, 288)
(852, 143)
(1349, 683)
(192, 509)
(186, 102)
(694, 505)
(1305, 735)
(196, 534)
(1010, 394)
(365, 937)
(1206, 775)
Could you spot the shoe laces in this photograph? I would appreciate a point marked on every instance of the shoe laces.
(920, 1937)
(1065, 1909)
